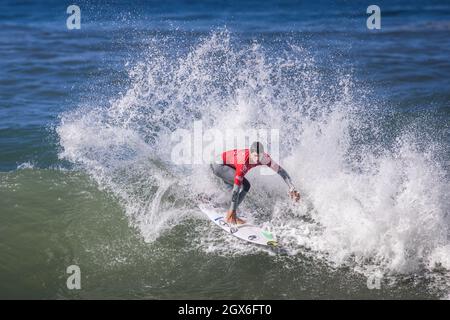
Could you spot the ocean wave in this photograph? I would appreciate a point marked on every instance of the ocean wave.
(377, 199)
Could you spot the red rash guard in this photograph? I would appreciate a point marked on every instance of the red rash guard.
(239, 160)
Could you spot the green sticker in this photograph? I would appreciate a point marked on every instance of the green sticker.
(267, 234)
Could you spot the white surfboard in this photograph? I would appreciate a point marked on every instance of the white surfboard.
(247, 231)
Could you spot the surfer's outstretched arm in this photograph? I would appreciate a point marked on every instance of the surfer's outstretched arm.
(283, 174)
(293, 193)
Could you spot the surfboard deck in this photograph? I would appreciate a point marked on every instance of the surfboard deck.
(247, 232)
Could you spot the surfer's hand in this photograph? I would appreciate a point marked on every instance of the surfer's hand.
(295, 195)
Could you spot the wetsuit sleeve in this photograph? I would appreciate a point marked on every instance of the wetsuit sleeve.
(238, 177)
(283, 173)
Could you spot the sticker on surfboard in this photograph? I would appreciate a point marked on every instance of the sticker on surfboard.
(247, 231)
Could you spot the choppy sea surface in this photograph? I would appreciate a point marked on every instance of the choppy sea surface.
(86, 177)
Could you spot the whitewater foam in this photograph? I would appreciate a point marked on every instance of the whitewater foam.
(375, 204)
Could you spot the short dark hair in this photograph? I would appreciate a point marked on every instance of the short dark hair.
(257, 147)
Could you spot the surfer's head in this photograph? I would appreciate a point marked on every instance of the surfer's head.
(256, 152)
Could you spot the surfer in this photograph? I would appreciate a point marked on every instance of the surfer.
(233, 166)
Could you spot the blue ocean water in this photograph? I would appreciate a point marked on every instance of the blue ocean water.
(47, 68)
(400, 72)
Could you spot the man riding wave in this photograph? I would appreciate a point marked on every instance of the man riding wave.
(235, 164)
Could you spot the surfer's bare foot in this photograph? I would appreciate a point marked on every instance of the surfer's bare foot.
(236, 220)
(231, 217)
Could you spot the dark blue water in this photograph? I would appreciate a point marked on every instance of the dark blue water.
(47, 70)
